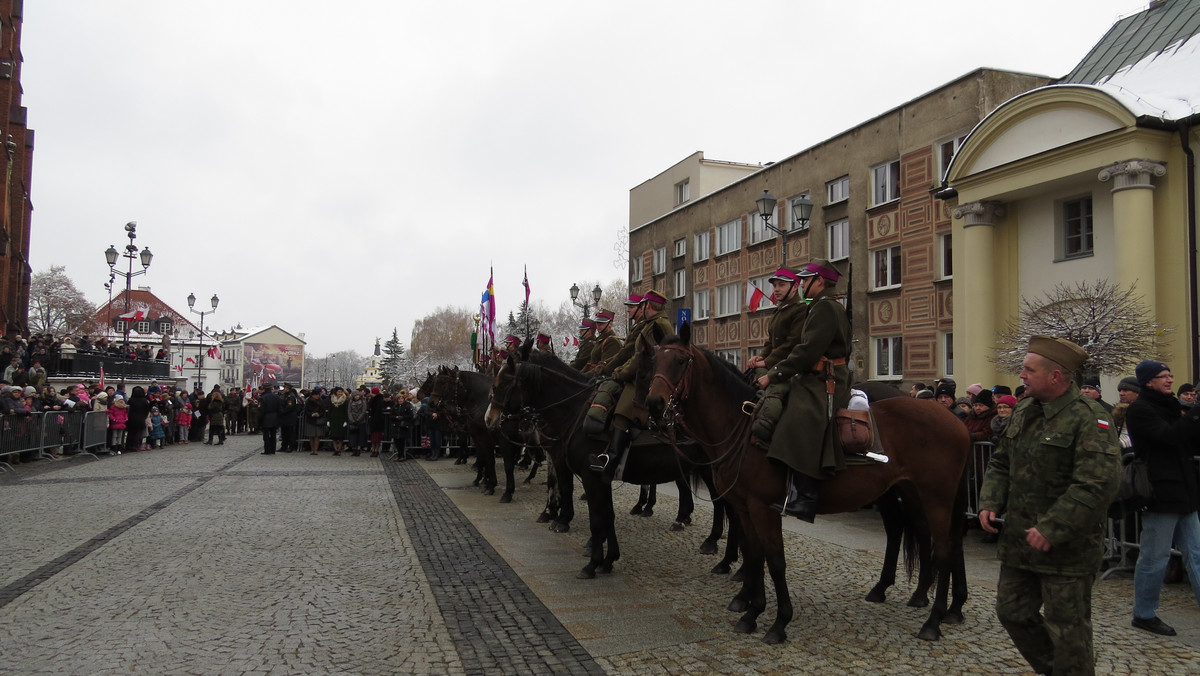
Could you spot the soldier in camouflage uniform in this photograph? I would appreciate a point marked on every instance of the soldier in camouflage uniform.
(624, 370)
(587, 329)
(783, 332)
(1053, 475)
(608, 343)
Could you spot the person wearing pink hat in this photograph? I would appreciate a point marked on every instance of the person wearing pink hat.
(587, 331)
(623, 368)
(783, 332)
(607, 343)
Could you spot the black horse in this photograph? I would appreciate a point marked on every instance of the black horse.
(462, 397)
(559, 395)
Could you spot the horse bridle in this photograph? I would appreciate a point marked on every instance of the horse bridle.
(528, 414)
(672, 416)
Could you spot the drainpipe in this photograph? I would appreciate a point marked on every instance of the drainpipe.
(1184, 132)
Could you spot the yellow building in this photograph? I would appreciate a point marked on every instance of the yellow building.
(1091, 178)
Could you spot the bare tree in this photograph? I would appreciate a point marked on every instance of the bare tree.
(1110, 322)
(55, 304)
(443, 337)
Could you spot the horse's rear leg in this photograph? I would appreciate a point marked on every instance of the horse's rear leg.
(645, 494)
(940, 528)
(510, 482)
(709, 546)
(890, 510)
(686, 505)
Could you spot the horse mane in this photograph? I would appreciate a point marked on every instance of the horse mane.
(552, 363)
(727, 377)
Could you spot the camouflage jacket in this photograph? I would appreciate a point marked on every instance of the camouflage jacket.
(1056, 468)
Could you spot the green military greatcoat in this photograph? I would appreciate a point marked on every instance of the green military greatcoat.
(1056, 468)
(804, 439)
(606, 347)
(584, 354)
(784, 329)
(632, 403)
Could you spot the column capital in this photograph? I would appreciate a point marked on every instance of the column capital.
(1132, 174)
(983, 212)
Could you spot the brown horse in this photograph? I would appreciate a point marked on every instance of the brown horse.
(925, 444)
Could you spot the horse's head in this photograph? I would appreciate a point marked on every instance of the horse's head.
(671, 360)
(444, 385)
(426, 386)
(505, 395)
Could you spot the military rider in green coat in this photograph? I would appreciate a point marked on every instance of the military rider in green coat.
(587, 329)
(1053, 476)
(607, 343)
(629, 409)
(783, 332)
(817, 371)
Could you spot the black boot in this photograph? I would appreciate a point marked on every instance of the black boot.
(801, 497)
(606, 463)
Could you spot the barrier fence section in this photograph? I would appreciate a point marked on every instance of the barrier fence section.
(45, 433)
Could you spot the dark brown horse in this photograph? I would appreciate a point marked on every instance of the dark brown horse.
(925, 444)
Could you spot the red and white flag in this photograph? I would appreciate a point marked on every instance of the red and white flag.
(133, 316)
(190, 360)
(754, 297)
(214, 352)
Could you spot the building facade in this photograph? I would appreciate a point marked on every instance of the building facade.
(260, 355)
(875, 215)
(15, 272)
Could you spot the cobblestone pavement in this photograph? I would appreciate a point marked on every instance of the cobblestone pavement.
(219, 560)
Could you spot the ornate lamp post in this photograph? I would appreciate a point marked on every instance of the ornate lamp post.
(191, 300)
(583, 304)
(801, 212)
(131, 252)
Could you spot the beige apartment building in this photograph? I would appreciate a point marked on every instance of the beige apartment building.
(875, 215)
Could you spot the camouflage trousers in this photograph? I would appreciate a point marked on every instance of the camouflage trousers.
(1058, 639)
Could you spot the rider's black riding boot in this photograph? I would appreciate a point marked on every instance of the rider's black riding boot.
(607, 462)
(801, 497)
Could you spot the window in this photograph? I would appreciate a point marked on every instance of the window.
(889, 358)
(660, 260)
(701, 253)
(700, 308)
(838, 189)
(729, 299)
(885, 183)
(946, 265)
(142, 326)
(733, 356)
(635, 272)
(948, 353)
(680, 283)
(793, 224)
(759, 231)
(945, 153)
(683, 192)
(1077, 227)
(763, 284)
(887, 269)
(680, 247)
(839, 239)
(729, 237)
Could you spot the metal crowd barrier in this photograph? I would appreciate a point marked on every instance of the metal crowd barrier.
(41, 433)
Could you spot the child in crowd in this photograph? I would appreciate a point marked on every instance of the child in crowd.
(184, 421)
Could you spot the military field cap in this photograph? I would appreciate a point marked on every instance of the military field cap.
(543, 339)
(653, 296)
(634, 299)
(603, 316)
(510, 338)
(1129, 383)
(1069, 355)
(821, 267)
(784, 275)
(587, 324)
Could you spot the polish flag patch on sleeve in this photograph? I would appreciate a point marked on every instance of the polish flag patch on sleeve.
(1103, 424)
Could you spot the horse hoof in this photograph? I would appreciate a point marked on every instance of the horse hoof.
(475, 483)
(745, 627)
(918, 601)
(676, 527)
(558, 527)
(647, 512)
(506, 498)
(930, 634)
(543, 518)
(585, 574)
(774, 637)
(489, 491)
(739, 576)
(738, 606)
(953, 618)
(709, 547)
(720, 569)
(876, 596)
(687, 521)
(637, 509)
(604, 568)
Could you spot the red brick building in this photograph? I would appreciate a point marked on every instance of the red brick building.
(18, 157)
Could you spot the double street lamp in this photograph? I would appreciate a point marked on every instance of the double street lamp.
(131, 252)
(583, 304)
(801, 212)
(191, 300)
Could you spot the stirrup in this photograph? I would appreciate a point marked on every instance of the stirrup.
(599, 462)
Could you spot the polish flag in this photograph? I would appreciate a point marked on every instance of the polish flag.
(214, 352)
(190, 360)
(133, 316)
(754, 297)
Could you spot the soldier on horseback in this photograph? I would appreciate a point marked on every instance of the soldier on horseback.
(783, 332)
(623, 368)
(607, 343)
(587, 331)
(817, 371)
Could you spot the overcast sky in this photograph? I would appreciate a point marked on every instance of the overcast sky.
(343, 168)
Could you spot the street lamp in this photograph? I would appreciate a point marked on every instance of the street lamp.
(191, 299)
(801, 211)
(584, 305)
(131, 252)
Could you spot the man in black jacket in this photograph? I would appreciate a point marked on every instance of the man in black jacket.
(270, 407)
(1168, 440)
